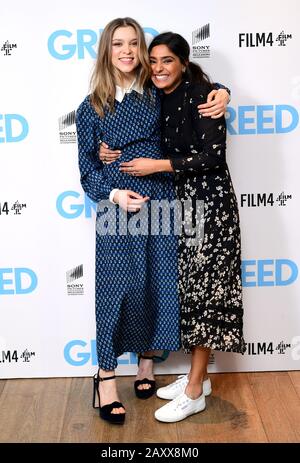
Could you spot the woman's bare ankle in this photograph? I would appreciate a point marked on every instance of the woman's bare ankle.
(106, 373)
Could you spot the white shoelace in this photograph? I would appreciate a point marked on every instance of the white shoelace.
(178, 403)
(179, 380)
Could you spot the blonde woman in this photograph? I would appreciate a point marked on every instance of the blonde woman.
(137, 306)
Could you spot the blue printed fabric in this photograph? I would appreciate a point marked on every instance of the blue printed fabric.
(137, 306)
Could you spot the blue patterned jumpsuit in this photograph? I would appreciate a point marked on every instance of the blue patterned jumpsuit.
(137, 305)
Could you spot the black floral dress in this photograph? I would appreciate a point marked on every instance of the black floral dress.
(210, 286)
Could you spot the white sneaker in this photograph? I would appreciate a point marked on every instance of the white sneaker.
(176, 388)
(180, 408)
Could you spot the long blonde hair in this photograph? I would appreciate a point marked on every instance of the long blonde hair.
(103, 81)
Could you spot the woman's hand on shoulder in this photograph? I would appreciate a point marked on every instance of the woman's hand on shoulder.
(216, 104)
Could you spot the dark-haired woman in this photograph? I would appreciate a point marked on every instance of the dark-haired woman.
(210, 272)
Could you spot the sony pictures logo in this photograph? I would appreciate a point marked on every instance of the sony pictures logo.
(200, 46)
(7, 48)
(74, 281)
(67, 121)
(264, 199)
(263, 39)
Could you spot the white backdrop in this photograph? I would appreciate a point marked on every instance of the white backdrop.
(47, 51)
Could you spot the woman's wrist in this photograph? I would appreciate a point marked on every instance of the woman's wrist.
(163, 165)
(226, 94)
(115, 196)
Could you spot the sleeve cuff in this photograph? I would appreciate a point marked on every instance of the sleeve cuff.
(112, 194)
(176, 165)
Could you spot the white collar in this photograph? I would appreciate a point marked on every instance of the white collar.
(121, 92)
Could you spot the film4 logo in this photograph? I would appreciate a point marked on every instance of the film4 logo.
(264, 199)
(7, 48)
(15, 208)
(263, 39)
(10, 356)
(264, 348)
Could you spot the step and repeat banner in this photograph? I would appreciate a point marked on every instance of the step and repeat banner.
(47, 51)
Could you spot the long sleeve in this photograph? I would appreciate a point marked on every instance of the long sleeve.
(209, 134)
(92, 178)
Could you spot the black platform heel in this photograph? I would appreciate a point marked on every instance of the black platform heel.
(145, 393)
(105, 412)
